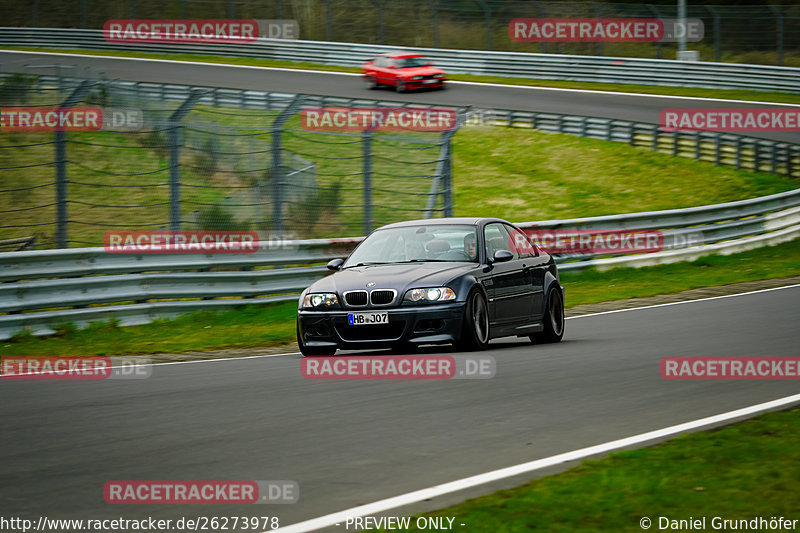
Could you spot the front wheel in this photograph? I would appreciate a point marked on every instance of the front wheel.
(312, 350)
(475, 331)
(401, 87)
(553, 320)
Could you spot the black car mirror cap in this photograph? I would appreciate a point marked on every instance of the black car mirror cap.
(335, 264)
(501, 256)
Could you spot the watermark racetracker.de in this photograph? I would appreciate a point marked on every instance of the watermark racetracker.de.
(399, 367)
(182, 492)
(730, 368)
(74, 367)
(605, 30)
(733, 120)
(378, 119)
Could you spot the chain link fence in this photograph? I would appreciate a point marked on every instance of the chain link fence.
(761, 34)
(172, 158)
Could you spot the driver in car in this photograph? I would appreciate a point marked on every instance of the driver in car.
(471, 246)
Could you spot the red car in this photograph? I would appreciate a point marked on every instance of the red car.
(403, 71)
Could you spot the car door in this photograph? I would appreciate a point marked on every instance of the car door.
(382, 70)
(510, 289)
(534, 265)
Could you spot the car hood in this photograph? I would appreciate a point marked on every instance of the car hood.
(400, 277)
(420, 71)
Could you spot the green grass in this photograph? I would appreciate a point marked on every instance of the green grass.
(735, 94)
(741, 471)
(522, 175)
(274, 324)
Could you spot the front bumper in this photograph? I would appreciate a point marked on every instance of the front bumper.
(429, 324)
(419, 84)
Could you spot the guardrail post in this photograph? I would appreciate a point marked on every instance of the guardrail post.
(174, 142)
(367, 152)
(738, 153)
(276, 169)
(773, 164)
(61, 167)
(778, 32)
(698, 141)
(717, 148)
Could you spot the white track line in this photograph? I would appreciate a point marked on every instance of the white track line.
(461, 484)
(286, 69)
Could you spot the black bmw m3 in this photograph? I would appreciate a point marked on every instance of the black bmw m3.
(460, 281)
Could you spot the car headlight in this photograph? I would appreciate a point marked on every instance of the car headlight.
(433, 294)
(320, 300)
(438, 75)
(417, 78)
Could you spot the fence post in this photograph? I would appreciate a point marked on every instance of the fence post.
(657, 13)
(367, 153)
(488, 16)
(61, 167)
(717, 51)
(598, 11)
(276, 169)
(542, 14)
(380, 5)
(778, 32)
(132, 9)
(435, 5)
(328, 21)
(174, 141)
(232, 9)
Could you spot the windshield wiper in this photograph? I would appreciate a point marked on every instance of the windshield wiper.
(369, 263)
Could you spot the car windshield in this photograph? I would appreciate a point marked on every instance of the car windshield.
(436, 242)
(409, 62)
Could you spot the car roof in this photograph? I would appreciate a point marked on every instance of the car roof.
(396, 55)
(472, 221)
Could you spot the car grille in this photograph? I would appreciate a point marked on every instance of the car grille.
(382, 296)
(356, 298)
(379, 332)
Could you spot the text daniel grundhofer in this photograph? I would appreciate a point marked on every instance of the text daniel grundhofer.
(757, 523)
(432, 523)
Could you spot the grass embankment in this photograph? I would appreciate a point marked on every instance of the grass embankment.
(735, 94)
(738, 472)
(517, 174)
(274, 324)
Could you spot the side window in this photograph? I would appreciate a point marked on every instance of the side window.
(520, 243)
(497, 238)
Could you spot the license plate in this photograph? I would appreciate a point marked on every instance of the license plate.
(428, 81)
(367, 319)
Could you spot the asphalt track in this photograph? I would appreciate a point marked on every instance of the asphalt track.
(622, 106)
(352, 442)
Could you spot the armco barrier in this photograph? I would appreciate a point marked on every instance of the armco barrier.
(131, 288)
(478, 62)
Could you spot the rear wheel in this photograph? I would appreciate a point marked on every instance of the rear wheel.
(553, 319)
(475, 331)
(372, 83)
(312, 350)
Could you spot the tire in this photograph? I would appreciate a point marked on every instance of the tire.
(553, 320)
(312, 350)
(372, 83)
(475, 330)
(401, 87)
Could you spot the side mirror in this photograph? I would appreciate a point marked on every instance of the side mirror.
(335, 264)
(501, 256)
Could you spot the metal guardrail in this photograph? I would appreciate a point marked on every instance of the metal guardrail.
(478, 62)
(96, 285)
